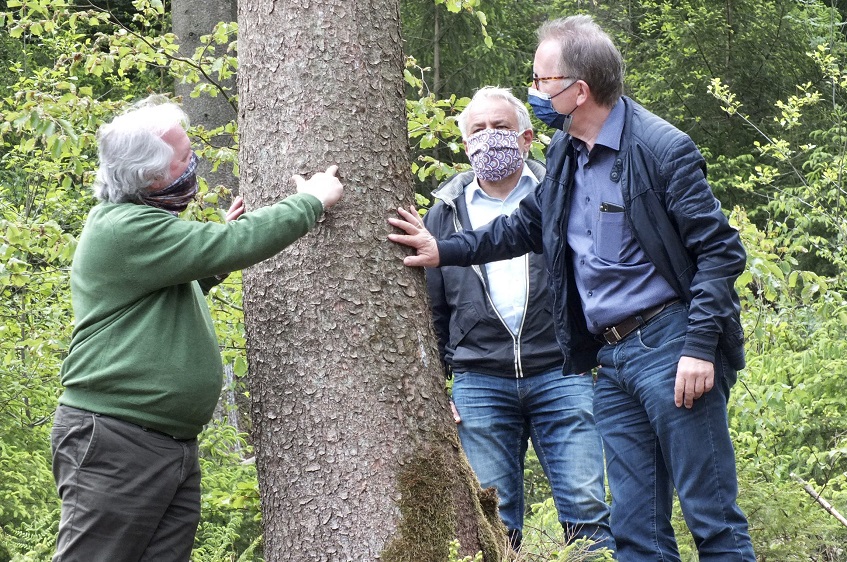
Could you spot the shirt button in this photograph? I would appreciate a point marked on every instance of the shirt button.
(588, 199)
(581, 262)
(589, 232)
(590, 293)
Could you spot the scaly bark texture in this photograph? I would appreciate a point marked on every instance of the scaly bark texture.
(356, 449)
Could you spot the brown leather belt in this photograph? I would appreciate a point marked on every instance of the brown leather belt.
(621, 330)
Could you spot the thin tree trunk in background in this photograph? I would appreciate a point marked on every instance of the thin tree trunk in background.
(436, 80)
(191, 20)
(356, 450)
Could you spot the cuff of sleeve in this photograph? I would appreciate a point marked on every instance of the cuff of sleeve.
(316, 203)
(450, 253)
(700, 346)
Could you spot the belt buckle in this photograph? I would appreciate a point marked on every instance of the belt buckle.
(613, 331)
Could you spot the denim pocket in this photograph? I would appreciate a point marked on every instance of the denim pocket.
(665, 331)
(653, 341)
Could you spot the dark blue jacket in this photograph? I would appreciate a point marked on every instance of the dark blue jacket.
(471, 334)
(672, 213)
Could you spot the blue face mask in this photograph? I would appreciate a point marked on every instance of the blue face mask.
(542, 106)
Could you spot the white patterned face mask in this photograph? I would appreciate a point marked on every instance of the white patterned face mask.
(494, 154)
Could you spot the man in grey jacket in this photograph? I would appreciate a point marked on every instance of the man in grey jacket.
(495, 334)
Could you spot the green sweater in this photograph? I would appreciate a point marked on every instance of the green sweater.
(143, 348)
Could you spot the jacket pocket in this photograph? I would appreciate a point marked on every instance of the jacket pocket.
(461, 323)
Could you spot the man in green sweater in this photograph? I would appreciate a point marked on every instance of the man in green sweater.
(144, 371)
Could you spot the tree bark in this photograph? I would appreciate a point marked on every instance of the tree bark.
(191, 20)
(356, 450)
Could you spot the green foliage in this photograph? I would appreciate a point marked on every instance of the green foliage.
(801, 169)
(432, 124)
(545, 541)
(787, 416)
(231, 525)
(475, 43)
(471, 6)
(453, 554)
(33, 541)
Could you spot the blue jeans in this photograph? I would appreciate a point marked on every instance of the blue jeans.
(500, 414)
(652, 446)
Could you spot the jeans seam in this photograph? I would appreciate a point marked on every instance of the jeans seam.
(715, 472)
(654, 506)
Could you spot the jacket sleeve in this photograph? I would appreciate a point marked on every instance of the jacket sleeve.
(503, 238)
(713, 244)
(438, 303)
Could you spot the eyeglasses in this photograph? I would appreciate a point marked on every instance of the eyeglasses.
(537, 79)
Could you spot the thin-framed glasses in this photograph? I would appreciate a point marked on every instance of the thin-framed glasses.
(536, 80)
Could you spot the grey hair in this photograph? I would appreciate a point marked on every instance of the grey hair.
(588, 54)
(132, 152)
(494, 92)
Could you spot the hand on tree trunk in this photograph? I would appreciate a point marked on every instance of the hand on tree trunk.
(417, 237)
(323, 185)
(235, 210)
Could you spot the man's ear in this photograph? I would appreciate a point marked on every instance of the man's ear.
(527, 137)
(583, 91)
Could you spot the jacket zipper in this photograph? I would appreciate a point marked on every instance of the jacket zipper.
(516, 338)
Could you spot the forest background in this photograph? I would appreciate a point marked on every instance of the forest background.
(758, 84)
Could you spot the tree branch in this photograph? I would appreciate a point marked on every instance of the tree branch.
(817, 497)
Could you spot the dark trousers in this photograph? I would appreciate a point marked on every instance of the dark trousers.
(128, 494)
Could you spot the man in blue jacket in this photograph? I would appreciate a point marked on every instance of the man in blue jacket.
(495, 334)
(642, 264)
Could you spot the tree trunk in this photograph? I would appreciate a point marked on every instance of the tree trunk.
(191, 20)
(356, 450)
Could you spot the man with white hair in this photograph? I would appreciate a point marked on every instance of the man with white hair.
(495, 334)
(143, 373)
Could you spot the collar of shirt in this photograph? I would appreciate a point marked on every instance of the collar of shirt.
(611, 132)
(526, 183)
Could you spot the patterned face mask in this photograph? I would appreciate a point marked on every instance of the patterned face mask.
(175, 197)
(494, 154)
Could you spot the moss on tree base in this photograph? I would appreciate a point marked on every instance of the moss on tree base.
(440, 501)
